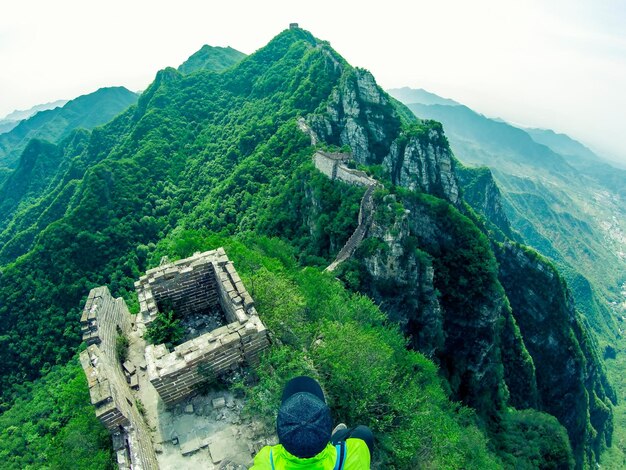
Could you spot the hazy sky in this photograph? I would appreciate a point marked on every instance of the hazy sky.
(541, 63)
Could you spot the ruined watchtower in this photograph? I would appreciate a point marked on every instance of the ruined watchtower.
(222, 332)
(223, 326)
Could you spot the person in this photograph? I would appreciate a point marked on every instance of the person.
(306, 438)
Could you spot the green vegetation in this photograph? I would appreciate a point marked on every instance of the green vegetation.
(546, 197)
(207, 159)
(54, 425)
(361, 359)
(121, 347)
(529, 439)
(87, 111)
(165, 329)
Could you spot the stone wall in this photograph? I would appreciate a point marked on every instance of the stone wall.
(205, 279)
(351, 176)
(333, 166)
(189, 285)
(103, 316)
(178, 374)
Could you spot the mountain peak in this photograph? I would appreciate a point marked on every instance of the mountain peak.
(211, 58)
(408, 96)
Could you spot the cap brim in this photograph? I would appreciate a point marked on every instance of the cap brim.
(303, 384)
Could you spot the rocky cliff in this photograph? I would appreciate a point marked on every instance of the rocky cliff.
(429, 262)
(571, 381)
(415, 155)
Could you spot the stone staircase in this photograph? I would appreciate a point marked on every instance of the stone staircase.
(366, 216)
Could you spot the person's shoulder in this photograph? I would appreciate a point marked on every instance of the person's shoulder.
(357, 454)
(262, 459)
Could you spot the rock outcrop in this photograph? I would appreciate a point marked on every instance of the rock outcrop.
(481, 192)
(419, 256)
(359, 114)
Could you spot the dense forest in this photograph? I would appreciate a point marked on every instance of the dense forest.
(427, 319)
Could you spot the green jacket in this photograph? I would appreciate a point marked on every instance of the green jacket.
(357, 458)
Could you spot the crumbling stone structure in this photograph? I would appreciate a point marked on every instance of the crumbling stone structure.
(195, 287)
(104, 319)
(205, 281)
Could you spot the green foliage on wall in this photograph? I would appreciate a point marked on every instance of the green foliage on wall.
(165, 329)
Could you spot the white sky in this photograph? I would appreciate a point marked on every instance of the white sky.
(543, 63)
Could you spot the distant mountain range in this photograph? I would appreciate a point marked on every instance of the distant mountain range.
(13, 119)
(563, 199)
(86, 111)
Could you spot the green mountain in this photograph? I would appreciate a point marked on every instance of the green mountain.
(87, 111)
(419, 95)
(13, 119)
(211, 58)
(208, 159)
(568, 206)
(583, 159)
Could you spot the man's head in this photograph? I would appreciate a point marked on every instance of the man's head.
(304, 424)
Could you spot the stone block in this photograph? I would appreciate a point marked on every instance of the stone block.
(230, 339)
(134, 382)
(190, 446)
(129, 367)
(241, 316)
(249, 329)
(218, 403)
(247, 300)
(218, 450)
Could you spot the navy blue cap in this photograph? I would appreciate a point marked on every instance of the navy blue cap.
(304, 424)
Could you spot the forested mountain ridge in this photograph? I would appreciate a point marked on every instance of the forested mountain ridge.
(562, 199)
(86, 111)
(209, 153)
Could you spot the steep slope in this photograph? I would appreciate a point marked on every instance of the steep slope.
(224, 153)
(569, 210)
(39, 160)
(211, 58)
(87, 111)
(38, 192)
(429, 246)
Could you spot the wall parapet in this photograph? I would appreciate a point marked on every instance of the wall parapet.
(104, 319)
(333, 165)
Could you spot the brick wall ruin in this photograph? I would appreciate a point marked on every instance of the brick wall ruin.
(103, 317)
(195, 286)
(203, 281)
